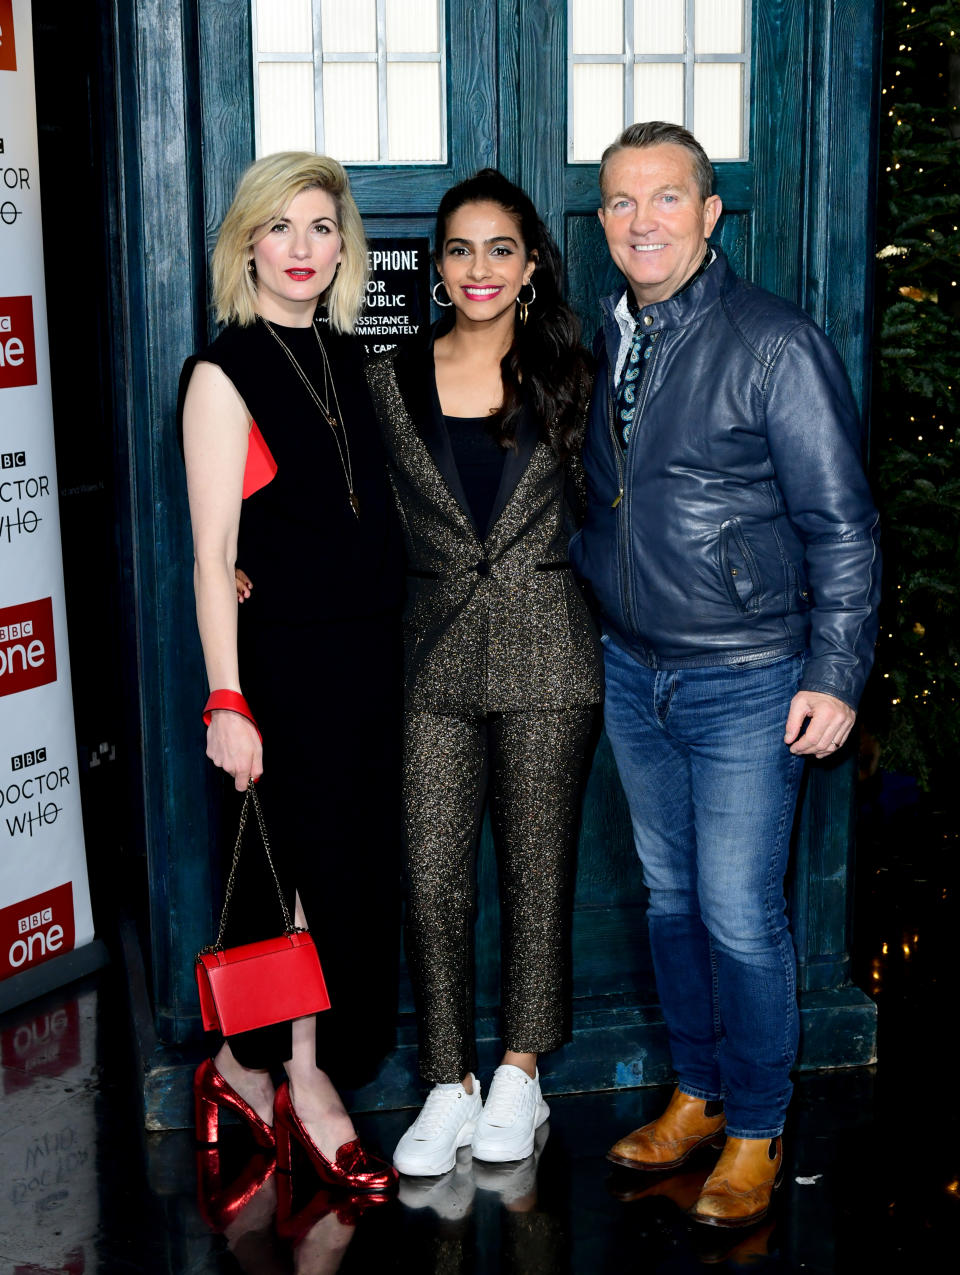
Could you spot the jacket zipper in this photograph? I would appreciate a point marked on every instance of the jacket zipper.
(617, 453)
(621, 537)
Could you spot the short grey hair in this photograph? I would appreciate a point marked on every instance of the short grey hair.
(658, 133)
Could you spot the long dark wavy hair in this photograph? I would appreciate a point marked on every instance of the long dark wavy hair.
(546, 356)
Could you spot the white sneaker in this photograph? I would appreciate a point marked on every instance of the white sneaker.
(446, 1122)
(513, 1112)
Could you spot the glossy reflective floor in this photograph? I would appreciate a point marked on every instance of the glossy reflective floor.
(873, 1155)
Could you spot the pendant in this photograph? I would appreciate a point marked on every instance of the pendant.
(355, 504)
(330, 418)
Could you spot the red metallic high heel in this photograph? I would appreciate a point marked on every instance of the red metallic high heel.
(354, 1168)
(210, 1093)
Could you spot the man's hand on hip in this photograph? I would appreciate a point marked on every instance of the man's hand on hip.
(829, 722)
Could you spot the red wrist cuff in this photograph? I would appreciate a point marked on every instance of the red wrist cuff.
(233, 702)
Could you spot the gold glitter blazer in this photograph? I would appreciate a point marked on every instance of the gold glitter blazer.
(495, 624)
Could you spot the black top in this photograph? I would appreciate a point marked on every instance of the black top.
(479, 462)
(309, 557)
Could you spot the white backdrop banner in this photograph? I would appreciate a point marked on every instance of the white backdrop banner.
(44, 896)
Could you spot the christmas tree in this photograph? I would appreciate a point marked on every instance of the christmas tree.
(913, 704)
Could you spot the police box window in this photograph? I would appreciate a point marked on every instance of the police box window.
(683, 61)
(362, 80)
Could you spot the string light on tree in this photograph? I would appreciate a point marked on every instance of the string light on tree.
(916, 461)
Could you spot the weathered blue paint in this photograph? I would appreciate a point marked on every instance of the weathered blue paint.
(630, 1075)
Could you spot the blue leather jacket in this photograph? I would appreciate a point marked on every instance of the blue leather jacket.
(738, 525)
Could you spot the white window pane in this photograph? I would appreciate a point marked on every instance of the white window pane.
(597, 109)
(717, 107)
(284, 26)
(412, 26)
(658, 26)
(350, 113)
(349, 26)
(413, 112)
(658, 92)
(718, 26)
(597, 26)
(285, 92)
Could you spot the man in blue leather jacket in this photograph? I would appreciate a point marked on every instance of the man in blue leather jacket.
(731, 542)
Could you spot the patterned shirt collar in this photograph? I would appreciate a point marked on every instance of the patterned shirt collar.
(627, 311)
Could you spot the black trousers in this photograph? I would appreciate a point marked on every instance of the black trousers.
(328, 702)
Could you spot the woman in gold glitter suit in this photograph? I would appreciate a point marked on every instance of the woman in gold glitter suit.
(502, 667)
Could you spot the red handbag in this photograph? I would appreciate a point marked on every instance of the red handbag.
(256, 984)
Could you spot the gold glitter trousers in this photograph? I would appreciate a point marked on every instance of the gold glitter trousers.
(531, 767)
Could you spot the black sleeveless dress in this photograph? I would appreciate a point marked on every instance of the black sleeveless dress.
(320, 666)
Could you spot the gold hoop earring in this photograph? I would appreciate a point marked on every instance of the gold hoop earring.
(525, 305)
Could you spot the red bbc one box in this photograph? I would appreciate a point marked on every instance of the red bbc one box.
(8, 43)
(28, 655)
(36, 929)
(18, 346)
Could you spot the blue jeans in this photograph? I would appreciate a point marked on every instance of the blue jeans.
(712, 790)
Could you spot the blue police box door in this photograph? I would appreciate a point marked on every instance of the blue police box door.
(520, 81)
(797, 190)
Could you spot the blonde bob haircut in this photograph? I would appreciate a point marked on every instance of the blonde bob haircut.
(263, 194)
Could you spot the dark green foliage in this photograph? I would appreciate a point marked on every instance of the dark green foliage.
(913, 704)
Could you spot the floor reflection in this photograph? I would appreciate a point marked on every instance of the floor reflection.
(268, 1228)
(86, 1190)
(872, 1159)
(48, 1211)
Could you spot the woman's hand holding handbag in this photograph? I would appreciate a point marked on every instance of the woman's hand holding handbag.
(256, 984)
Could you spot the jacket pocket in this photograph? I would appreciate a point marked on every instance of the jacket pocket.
(738, 565)
(802, 596)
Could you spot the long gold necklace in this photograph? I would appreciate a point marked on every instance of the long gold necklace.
(337, 428)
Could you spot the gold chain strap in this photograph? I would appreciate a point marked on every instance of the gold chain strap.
(288, 926)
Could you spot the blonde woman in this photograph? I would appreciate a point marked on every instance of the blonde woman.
(285, 467)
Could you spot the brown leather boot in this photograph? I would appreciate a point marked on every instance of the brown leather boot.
(738, 1191)
(671, 1139)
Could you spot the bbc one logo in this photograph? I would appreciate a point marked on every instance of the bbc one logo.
(8, 44)
(36, 929)
(18, 350)
(28, 655)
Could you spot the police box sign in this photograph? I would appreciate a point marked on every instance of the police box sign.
(397, 309)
